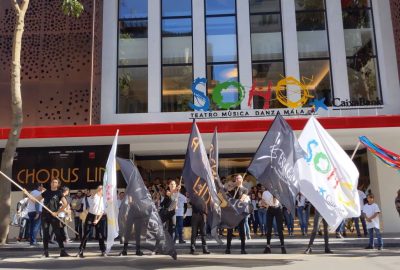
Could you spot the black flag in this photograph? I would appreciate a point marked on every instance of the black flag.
(273, 164)
(198, 178)
(232, 210)
(138, 216)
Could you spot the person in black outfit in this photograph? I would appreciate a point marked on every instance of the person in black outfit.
(274, 211)
(134, 221)
(240, 193)
(168, 206)
(317, 220)
(198, 223)
(53, 198)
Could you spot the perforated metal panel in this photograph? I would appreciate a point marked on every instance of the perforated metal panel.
(56, 64)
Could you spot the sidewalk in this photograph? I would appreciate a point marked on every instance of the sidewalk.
(391, 240)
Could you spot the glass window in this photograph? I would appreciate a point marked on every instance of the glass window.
(177, 27)
(132, 57)
(221, 39)
(176, 88)
(358, 31)
(221, 73)
(133, 42)
(266, 37)
(220, 7)
(362, 59)
(132, 9)
(172, 8)
(317, 77)
(177, 50)
(312, 36)
(354, 4)
(309, 5)
(260, 6)
(362, 73)
(132, 94)
(263, 75)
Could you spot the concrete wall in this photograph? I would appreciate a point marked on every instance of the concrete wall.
(385, 182)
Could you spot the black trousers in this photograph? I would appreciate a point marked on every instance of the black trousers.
(78, 227)
(198, 223)
(275, 212)
(317, 220)
(137, 226)
(57, 226)
(88, 229)
(241, 235)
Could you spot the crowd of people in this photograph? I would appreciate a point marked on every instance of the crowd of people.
(85, 210)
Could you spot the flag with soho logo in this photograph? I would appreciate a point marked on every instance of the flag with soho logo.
(328, 177)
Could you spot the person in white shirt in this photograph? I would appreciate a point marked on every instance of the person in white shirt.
(96, 210)
(274, 211)
(371, 213)
(179, 214)
(34, 213)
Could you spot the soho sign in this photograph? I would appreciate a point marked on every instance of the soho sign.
(217, 95)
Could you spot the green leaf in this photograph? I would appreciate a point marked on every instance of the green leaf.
(72, 8)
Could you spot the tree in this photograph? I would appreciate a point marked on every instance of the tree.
(69, 7)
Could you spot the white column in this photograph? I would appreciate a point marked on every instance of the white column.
(244, 48)
(154, 56)
(386, 56)
(109, 61)
(199, 44)
(337, 49)
(290, 44)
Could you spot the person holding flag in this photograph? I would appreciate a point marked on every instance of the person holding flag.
(317, 220)
(198, 223)
(239, 192)
(96, 210)
(328, 176)
(52, 199)
(200, 186)
(138, 215)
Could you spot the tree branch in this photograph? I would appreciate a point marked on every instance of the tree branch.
(16, 6)
(25, 4)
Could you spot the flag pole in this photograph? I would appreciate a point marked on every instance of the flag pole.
(355, 150)
(36, 200)
(180, 181)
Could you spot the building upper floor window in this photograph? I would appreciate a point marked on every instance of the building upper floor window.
(266, 51)
(132, 57)
(362, 57)
(132, 9)
(221, 48)
(313, 46)
(177, 52)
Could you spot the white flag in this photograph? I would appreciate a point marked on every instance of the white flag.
(328, 177)
(110, 195)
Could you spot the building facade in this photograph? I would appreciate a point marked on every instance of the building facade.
(150, 67)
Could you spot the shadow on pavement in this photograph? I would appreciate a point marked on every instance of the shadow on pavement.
(144, 263)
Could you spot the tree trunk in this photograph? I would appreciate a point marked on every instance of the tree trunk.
(16, 123)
